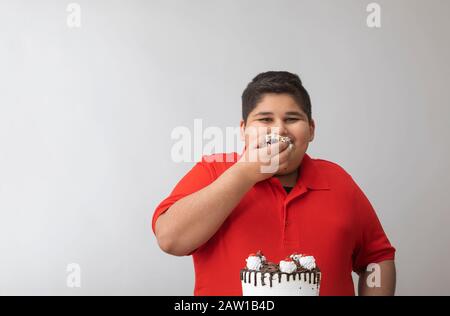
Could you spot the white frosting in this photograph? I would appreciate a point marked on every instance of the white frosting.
(287, 266)
(285, 139)
(308, 262)
(275, 138)
(271, 138)
(307, 285)
(254, 262)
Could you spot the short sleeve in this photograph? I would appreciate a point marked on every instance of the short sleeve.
(196, 179)
(372, 246)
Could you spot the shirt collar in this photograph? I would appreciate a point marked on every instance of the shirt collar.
(309, 174)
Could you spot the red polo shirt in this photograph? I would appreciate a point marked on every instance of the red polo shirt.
(325, 215)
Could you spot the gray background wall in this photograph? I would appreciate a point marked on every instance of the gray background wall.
(86, 116)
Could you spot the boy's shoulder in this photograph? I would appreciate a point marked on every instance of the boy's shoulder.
(334, 172)
(219, 163)
(328, 165)
(221, 158)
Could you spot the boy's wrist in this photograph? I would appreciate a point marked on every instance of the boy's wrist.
(242, 173)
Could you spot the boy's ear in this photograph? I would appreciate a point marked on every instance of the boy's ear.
(312, 129)
(242, 130)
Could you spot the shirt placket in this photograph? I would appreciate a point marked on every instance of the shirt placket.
(290, 233)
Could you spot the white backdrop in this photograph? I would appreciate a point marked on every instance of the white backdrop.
(86, 116)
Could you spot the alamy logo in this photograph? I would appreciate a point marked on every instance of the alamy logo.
(374, 18)
(374, 278)
(74, 16)
(192, 146)
(73, 279)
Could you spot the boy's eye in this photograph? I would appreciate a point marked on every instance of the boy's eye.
(268, 119)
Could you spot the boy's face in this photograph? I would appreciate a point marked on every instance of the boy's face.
(281, 113)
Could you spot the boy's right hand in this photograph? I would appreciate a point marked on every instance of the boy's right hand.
(261, 161)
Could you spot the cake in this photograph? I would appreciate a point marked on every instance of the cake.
(275, 138)
(296, 275)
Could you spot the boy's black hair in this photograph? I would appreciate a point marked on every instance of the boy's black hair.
(275, 82)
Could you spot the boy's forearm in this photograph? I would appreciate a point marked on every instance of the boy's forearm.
(193, 220)
(386, 284)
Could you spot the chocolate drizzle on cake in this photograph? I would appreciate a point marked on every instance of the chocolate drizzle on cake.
(312, 277)
(317, 278)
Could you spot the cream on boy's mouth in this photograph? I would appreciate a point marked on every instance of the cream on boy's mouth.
(273, 138)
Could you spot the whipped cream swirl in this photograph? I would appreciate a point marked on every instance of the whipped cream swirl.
(255, 262)
(287, 266)
(308, 262)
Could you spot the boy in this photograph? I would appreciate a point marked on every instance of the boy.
(230, 205)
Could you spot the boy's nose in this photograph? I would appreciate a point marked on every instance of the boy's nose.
(280, 129)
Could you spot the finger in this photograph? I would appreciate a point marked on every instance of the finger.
(277, 148)
(256, 136)
(253, 140)
(286, 154)
(282, 157)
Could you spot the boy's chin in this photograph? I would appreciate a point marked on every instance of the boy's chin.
(284, 172)
(292, 167)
